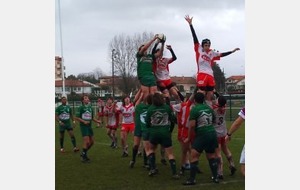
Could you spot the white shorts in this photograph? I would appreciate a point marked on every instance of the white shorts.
(242, 159)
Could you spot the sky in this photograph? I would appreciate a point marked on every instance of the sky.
(87, 27)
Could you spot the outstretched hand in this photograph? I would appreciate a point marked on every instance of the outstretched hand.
(236, 49)
(168, 47)
(188, 19)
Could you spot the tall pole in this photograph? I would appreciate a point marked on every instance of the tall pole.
(113, 72)
(62, 57)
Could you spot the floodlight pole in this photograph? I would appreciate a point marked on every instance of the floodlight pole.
(62, 57)
(113, 73)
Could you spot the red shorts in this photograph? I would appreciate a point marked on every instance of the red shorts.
(112, 127)
(221, 140)
(100, 114)
(164, 83)
(204, 80)
(128, 127)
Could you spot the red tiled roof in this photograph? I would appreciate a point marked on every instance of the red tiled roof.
(73, 83)
(183, 80)
(237, 77)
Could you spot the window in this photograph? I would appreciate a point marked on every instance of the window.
(192, 88)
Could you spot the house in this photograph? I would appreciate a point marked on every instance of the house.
(74, 85)
(235, 84)
(185, 85)
(107, 83)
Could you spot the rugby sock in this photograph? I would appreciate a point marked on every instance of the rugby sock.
(134, 152)
(193, 170)
(61, 141)
(115, 139)
(162, 152)
(151, 159)
(73, 141)
(84, 152)
(220, 163)
(213, 164)
(173, 166)
(145, 157)
(230, 160)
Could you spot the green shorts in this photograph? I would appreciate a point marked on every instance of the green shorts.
(137, 131)
(65, 127)
(148, 80)
(163, 139)
(207, 142)
(86, 131)
(145, 135)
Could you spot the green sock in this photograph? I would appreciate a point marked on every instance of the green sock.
(73, 141)
(84, 152)
(151, 159)
(173, 166)
(213, 164)
(61, 141)
(134, 152)
(193, 170)
(145, 157)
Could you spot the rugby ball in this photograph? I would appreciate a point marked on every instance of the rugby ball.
(162, 37)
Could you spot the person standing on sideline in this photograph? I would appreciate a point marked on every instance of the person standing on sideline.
(111, 119)
(219, 107)
(201, 122)
(145, 68)
(85, 116)
(205, 57)
(63, 114)
(158, 121)
(126, 121)
(235, 126)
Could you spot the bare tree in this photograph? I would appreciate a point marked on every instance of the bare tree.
(123, 49)
(90, 77)
(98, 73)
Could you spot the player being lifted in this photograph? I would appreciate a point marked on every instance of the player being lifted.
(161, 71)
(205, 57)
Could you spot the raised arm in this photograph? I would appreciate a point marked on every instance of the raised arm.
(229, 52)
(190, 20)
(148, 44)
(169, 47)
(154, 47)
